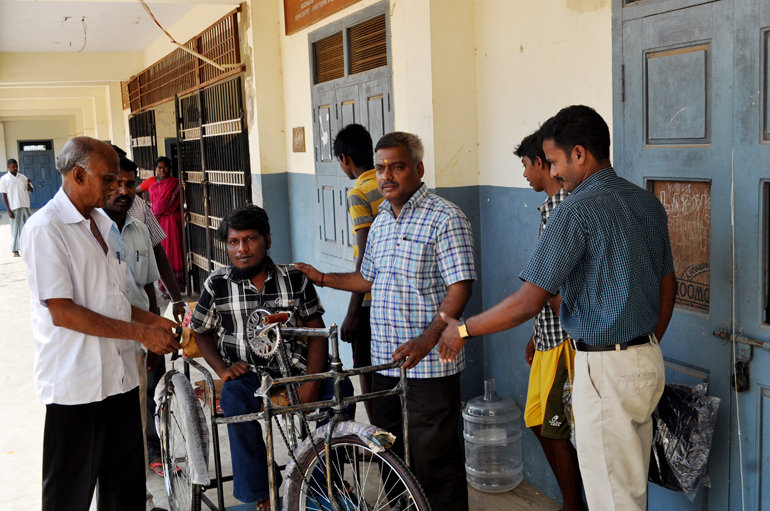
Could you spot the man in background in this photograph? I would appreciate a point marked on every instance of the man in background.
(548, 352)
(15, 189)
(353, 149)
(130, 240)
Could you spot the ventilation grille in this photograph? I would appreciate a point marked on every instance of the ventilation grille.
(329, 58)
(368, 45)
(181, 72)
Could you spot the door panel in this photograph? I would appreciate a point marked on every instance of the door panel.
(752, 161)
(40, 168)
(677, 135)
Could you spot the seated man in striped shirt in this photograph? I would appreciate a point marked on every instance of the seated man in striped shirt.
(229, 295)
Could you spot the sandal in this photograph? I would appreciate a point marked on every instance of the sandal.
(157, 467)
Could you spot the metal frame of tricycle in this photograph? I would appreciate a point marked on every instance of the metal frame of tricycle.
(336, 373)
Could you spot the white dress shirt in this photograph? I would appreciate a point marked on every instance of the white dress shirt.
(16, 188)
(64, 260)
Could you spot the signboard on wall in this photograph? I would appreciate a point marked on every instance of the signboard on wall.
(299, 14)
(688, 204)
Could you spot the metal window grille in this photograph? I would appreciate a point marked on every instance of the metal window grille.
(144, 145)
(181, 73)
(214, 170)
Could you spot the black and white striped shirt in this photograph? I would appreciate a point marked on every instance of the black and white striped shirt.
(226, 303)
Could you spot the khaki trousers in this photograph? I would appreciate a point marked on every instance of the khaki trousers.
(614, 395)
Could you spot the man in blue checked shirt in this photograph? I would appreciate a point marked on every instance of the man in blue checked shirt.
(418, 263)
(606, 249)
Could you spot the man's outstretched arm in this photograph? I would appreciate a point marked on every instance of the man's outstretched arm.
(453, 305)
(512, 311)
(352, 281)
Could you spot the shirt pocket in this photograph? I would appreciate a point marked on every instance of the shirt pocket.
(415, 261)
(141, 265)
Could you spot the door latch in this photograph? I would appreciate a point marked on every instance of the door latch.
(740, 380)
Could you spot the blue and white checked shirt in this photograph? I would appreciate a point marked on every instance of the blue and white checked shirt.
(411, 261)
(606, 247)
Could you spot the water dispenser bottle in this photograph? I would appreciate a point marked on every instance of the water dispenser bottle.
(492, 431)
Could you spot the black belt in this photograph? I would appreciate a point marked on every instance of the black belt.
(580, 345)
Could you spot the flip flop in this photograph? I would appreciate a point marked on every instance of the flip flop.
(157, 467)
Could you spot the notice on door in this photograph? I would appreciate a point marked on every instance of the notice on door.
(688, 204)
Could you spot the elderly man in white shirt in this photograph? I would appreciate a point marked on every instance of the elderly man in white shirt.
(15, 189)
(82, 323)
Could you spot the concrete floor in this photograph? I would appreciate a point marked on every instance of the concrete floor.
(21, 419)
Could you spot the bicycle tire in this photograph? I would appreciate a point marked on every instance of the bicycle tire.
(357, 488)
(183, 494)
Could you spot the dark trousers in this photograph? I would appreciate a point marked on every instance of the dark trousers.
(151, 433)
(436, 449)
(83, 444)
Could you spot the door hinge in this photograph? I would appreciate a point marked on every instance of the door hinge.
(623, 83)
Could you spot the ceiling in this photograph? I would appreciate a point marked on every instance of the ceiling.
(61, 26)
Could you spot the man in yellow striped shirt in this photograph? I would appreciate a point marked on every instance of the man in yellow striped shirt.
(353, 149)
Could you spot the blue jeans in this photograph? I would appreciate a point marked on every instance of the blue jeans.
(247, 447)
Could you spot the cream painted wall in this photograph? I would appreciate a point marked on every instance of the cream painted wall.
(57, 129)
(532, 62)
(264, 88)
(165, 125)
(3, 155)
(61, 67)
(295, 67)
(453, 69)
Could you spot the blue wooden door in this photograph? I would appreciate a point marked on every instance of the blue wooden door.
(691, 123)
(40, 168)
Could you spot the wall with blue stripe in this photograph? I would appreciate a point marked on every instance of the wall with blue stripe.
(505, 224)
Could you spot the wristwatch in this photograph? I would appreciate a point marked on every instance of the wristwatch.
(463, 330)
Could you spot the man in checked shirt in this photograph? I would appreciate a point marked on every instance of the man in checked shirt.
(547, 352)
(229, 295)
(418, 263)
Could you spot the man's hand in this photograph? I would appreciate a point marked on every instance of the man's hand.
(178, 310)
(414, 350)
(308, 392)
(311, 272)
(10, 214)
(530, 351)
(450, 343)
(236, 370)
(159, 339)
(349, 328)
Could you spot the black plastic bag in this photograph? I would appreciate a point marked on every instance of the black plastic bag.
(682, 430)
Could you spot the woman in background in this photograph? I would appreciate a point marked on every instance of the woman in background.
(164, 195)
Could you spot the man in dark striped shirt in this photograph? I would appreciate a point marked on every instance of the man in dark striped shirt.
(547, 353)
(220, 318)
(606, 250)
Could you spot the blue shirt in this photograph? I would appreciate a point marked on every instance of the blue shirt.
(606, 247)
(411, 260)
(132, 245)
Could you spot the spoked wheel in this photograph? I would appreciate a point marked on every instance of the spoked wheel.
(361, 479)
(179, 430)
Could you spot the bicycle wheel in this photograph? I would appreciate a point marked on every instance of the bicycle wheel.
(362, 479)
(177, 433)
